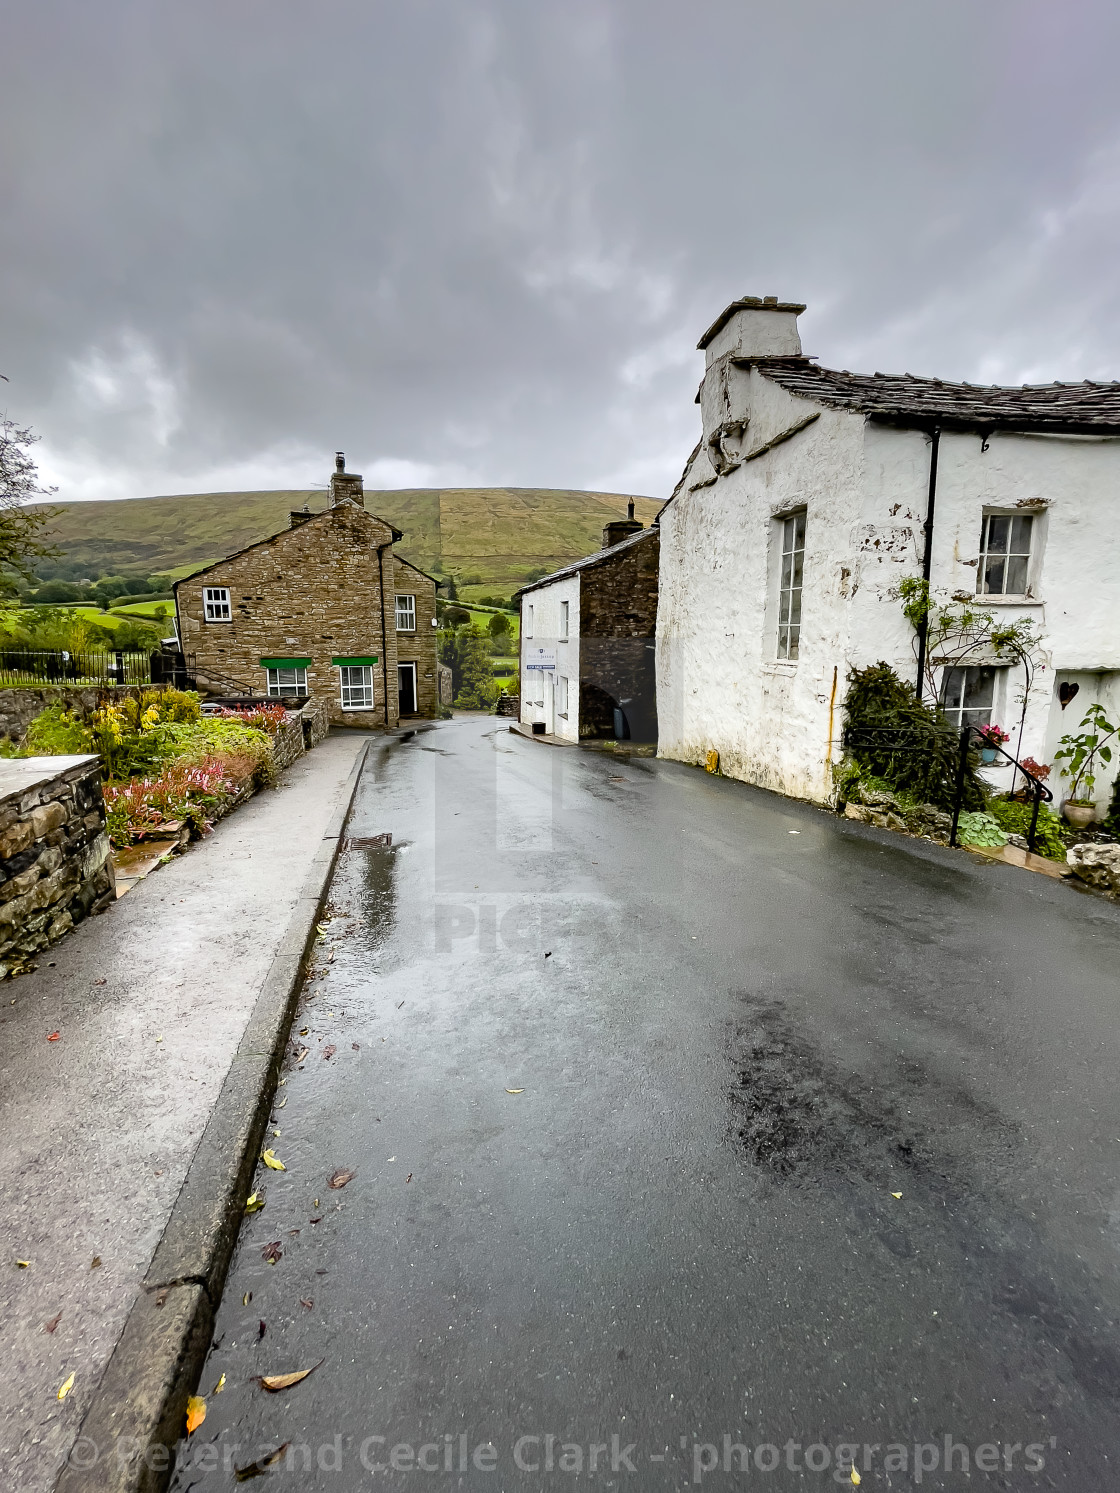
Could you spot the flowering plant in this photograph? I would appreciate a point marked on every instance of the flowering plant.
(993, 736)
(264, 717)
(197, 791)
(1040, 770)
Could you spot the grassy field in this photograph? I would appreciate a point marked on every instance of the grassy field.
(489, 537)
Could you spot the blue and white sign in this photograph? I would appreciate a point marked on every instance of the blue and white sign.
(540, 658)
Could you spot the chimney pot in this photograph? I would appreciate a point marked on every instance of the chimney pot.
(339, 461)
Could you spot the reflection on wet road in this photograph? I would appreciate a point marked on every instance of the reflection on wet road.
(686, 1151)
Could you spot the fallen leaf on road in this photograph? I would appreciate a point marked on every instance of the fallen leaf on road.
(315, 1220)
(221, 1384)
(159, 1039)
(856, 1479)
(52, 1324)
(293, 1231)
(307, 1302)
(261, 1330)
(254, 1202)
(339, 1179)
(515, 1091)
(303, 1031)
(282, 1102)
(261, 1465)
(196, 1413)
(330, 1050)
(896, 1194)
(66, 1388)
(270, 1160)
(99, 982)
(272, 1252)
(161, 1296)
(95, 1263)
(409, 1177)
(24, 1264)
(274, 1383)
(355, 1047)
(302, 1053)
(54, 1036)
(245, 1300)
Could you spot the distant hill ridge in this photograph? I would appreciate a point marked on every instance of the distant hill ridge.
(498, 534)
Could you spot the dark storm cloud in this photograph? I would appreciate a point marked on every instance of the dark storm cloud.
(478, 241)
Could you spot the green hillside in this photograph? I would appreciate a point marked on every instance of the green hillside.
(497, 534)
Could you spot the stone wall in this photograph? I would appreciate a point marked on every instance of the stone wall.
(54, 853)
(617, 629)
(316, 722)
(19, 707)
(288, 743)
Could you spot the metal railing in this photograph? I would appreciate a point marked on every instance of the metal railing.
(1040, 793)
(59, 666)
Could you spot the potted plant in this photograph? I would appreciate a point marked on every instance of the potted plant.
(991, 738)
(1080, 752)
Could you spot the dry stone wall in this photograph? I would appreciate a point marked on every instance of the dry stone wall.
(54, 853)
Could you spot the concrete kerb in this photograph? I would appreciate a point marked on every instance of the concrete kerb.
(139, 1408)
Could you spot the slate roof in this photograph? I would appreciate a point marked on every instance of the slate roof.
(1073, 408)
(587, 562)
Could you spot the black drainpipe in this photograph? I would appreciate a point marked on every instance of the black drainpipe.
(384, 650)
(927, 557)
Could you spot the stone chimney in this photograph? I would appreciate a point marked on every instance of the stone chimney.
(754, 327)
(345, 484)
(621, 528)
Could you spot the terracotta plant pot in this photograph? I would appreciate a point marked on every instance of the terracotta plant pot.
(1079, 816)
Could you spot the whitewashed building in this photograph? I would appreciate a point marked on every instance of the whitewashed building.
(813, 492)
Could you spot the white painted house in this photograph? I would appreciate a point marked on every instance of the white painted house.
(550, 656)
(813, 492)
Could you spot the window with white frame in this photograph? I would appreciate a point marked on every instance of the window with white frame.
(406, 613)
(287, 681)
(529, 621)
(216, 605)
(562, 694)
(789, 586)
(356, 686)
(1005, 553)
(968, 694)
(564, 621)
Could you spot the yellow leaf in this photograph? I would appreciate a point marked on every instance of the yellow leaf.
(196, 1413)
(24, 1264)
(221, 1384)
(856, 1479)
(66, 1388)
(515, 1091)
(270, 1161)
(254, 1202)
(896, 1194)
(274, 1383)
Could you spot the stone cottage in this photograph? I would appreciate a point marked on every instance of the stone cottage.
(588, 639)
(325, 608)
(813, 492)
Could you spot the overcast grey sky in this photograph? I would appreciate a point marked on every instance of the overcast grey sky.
(475, 241)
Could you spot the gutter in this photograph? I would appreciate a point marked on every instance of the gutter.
(927, 557)
(381, 548)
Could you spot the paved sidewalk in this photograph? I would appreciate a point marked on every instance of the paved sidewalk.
(98, 1128)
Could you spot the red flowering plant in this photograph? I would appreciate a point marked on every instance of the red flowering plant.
(993, 736)
(264, 717)
(197, 792)
(1039, 770)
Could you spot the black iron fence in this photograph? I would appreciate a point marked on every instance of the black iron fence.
(1034, 786)
(44, 666)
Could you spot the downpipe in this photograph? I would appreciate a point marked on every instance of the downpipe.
(927, 557)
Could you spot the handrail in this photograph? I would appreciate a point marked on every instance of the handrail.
(1041, 790)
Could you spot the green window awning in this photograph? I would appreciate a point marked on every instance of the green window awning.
(355, 663)
(285, 663)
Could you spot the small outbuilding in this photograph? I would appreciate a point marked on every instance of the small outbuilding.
(588, 636)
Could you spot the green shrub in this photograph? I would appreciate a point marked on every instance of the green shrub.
(56, 732)
(979, 829)
(910, 746)
(1015, 818)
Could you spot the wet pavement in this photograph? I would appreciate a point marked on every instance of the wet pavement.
(699, 1138)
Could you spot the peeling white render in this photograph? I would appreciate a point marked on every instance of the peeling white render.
(782, 436)
(552, 696)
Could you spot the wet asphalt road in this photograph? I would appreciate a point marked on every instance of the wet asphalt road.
(735, 1027)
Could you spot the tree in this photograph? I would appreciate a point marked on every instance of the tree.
(466, 654)
(499, 626)
(21, 528)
